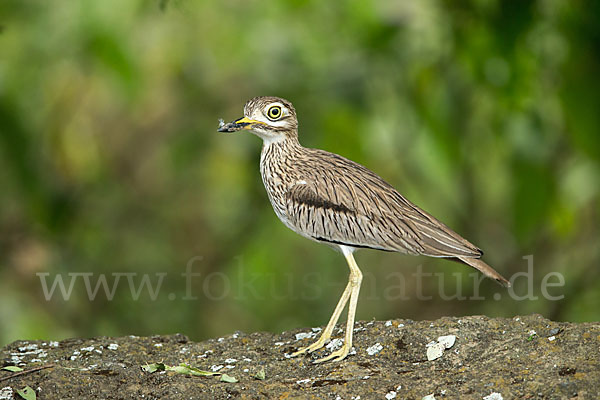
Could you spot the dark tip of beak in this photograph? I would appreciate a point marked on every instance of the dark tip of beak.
(233, 126)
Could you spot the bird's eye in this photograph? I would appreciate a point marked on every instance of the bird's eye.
(274, 113)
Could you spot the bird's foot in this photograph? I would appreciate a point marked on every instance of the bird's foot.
(309, 349)
(315, 346)
(337, 355)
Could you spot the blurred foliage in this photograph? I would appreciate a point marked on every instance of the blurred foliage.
(483, 112)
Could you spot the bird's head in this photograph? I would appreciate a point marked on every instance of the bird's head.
(270, 118)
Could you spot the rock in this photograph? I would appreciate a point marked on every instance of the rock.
(491, 358)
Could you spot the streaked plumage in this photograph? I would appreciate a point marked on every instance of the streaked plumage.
(330, 199)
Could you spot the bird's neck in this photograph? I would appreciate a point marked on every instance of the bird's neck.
(277, 161)
(283, 144)
(276, 153)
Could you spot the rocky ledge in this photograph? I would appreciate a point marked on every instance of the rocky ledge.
(476, 357)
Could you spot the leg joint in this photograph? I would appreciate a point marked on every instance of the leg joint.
(356, 277)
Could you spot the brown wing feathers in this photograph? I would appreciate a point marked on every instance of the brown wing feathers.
(359, 209)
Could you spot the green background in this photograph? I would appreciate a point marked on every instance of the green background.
(485, 113)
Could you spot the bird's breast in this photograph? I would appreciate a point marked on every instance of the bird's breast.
(277, 175)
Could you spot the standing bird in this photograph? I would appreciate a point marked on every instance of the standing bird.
(330, 199)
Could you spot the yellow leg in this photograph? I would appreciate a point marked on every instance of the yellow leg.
(350, 293)
(326, 335)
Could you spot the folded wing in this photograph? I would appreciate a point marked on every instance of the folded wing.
(360, 209)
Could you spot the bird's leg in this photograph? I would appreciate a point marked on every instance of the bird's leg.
(326, 335)
(354, 283)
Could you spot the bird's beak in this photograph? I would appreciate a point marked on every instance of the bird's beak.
(238, 124)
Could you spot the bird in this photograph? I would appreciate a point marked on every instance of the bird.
(332, 200)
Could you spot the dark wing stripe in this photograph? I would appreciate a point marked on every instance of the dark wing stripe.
(307, 197)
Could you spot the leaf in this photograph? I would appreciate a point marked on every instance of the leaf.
(153, 367)
(228, 378)
(27, 393)
(12, 368)
(188, 370)
(260, 375)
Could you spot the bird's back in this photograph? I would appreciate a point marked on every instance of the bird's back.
(331, 199)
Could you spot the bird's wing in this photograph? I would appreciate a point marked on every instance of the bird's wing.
(328, 219)
(345, 203)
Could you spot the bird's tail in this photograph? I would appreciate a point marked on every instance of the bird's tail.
(485, 269)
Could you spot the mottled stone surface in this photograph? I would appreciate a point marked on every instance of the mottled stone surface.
(523, 357)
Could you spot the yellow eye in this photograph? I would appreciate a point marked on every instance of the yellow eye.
(274, 113)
